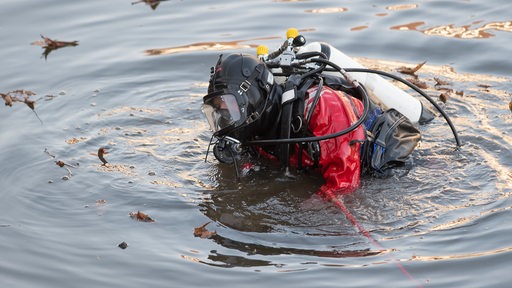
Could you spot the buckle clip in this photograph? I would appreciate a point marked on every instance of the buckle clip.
(244, 86)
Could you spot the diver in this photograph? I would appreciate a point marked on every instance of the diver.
(306, 115)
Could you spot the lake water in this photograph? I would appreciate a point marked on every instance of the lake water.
(134, 85)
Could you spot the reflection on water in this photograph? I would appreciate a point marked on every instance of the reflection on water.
(327, 10)
(463, 32)
(214, 46)
(401, 7)
(462, 256)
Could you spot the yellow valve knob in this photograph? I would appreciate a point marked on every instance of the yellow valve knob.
(292, 33)
(261, 50)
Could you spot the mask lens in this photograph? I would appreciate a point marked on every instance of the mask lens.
(221, 111)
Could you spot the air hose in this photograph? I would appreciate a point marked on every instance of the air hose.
(415, 88)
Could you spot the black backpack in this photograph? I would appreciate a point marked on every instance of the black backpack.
(391, 139)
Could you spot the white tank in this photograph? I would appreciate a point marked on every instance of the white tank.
(389, 94)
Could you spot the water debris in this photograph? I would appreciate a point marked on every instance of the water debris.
(50, 44)
(123, 245)
(411, 71)
(22, 96)
(510, 105)
(202, 232)
(152, 3)
(101, 202)
(62, 164)
(141, 217)
(418, 83)
(484, 85)
(444, 96)
(440, 82)
(101, 152)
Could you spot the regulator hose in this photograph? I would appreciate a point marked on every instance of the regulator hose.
(415, 88)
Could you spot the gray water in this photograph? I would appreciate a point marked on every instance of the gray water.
(134, 85)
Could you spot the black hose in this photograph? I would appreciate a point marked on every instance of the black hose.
(415, 88)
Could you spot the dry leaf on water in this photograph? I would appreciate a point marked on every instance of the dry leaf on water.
(411, 71)
(418, 83)
(62, 164)
(202, 232)
(484, 85)
(139, 216)
(440, 82)
(22, 96)
(510, 105)
(152, 3)
(444, 96)
(49, 45)
(101, 152)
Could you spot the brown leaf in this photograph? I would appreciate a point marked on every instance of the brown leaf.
(7, 98)
(60, 163)
(486, 86)
(139, 216)
(510, 105)
(418, 83)
(460, 93)
(55, 44)
(152, 3)
(49, 45)
(411, 71)
(102, 152)
(440, 82)
(444, 97)
(30, 103)
(202, 232)
(21, 96)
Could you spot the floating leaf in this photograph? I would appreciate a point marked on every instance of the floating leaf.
(49, 45)
(411, 71)
(418, 83)
(510, 105)
(61, 164)
(440, 82)
(101, 153)
(152, 3)
(486, 86)
(20, 96)
(7, 98)
(444, 97)
(202, 232)
(139, 216)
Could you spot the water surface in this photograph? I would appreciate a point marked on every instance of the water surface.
(134, 85)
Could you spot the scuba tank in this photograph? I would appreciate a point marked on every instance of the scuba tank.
(390, 95)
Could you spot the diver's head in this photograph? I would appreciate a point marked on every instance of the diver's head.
(238, 96)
